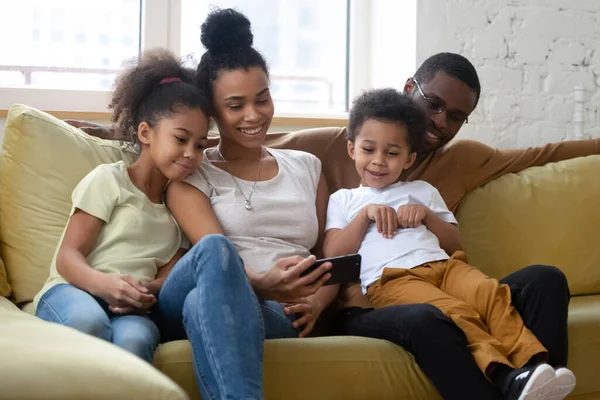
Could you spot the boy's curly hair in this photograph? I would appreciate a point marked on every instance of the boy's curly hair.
(389, 105)
(139, 96)
(228, 39)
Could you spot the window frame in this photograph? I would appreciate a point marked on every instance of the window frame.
(164, 16)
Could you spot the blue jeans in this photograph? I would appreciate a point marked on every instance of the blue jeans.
(208, 299)
(67, 305)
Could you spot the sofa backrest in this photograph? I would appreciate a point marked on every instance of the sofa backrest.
(41, 162)
(542, 215)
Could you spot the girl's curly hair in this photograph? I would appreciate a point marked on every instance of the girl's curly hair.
(227, 36)
(140, 96)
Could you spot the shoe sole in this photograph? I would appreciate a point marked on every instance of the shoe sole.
(540, 384)
(564, 385)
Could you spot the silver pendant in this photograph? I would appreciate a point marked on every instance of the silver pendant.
(248, 205)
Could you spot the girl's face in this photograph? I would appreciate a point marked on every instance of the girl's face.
(243, 106)
(176, 144)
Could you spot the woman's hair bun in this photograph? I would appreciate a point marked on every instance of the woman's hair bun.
(225, 29)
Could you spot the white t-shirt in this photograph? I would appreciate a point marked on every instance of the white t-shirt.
(283, 221)
(138, 236)
(410, 247)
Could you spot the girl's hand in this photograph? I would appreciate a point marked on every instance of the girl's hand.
(411, 215)
(308, 309)
(385, 218)
(283, 282)
(123, 292)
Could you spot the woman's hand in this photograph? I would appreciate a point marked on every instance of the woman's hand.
(283, 282)
(308, 309)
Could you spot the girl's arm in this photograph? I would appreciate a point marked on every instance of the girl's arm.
(117, 290)
(155, 285)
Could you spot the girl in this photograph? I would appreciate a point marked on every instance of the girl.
(271, 205)
(121, 240)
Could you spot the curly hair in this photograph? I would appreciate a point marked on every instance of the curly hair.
(389, 105)
(140, 96)
(454, 65)
(228, 39)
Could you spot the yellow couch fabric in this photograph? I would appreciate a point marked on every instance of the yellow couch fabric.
(4, 286)
(326, 368)
(41, 360)
(41, 162)
(542, 215)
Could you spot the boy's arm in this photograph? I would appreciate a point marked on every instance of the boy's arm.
(447, 233)
(339, 242)
(480, 163)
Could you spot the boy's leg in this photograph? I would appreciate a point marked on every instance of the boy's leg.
(136, 334)
(493, 302)
(67, 305)
(414, 286)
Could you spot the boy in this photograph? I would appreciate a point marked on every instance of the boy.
(405, 251)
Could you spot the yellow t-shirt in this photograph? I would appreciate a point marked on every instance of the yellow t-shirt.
(138, 236)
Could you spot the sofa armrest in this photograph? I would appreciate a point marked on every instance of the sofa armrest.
(42, 360)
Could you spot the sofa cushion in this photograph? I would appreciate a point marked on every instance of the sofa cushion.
(584, 343)
(41, 162)
(542, 215)
(43, 360)
(4, 286)
(349, 368)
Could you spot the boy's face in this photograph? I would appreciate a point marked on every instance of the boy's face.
(381, 152)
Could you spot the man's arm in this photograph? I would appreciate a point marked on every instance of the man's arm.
(480, 163)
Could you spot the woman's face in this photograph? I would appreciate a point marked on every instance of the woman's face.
(243, 106)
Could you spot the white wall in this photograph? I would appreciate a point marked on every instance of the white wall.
(530, 54)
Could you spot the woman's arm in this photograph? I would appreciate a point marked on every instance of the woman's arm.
(192, 211)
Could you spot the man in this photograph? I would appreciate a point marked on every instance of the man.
(447, 85)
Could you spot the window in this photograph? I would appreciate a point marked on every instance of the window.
(64, 55)
(62, 45)
(304, 43)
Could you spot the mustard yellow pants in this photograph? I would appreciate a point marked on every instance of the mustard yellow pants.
(478, 304)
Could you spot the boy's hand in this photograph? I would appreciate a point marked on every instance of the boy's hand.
(411, 215)
(385, 218)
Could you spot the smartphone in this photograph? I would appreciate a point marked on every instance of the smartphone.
(344, 269)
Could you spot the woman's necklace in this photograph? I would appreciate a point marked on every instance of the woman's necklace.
(248, 204)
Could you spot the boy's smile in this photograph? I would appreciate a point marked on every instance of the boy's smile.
(381, 152)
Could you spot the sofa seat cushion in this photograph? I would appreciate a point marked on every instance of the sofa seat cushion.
(584, 342)
(542, 215)
(41, 162)
(42, 360)
(319, 368)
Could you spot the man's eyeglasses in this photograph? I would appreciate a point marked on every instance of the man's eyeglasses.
(437, 106)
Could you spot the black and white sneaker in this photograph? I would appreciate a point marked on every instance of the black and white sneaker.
(530, 383)
(564, 384)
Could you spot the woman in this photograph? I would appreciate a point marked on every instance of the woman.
(271, 204)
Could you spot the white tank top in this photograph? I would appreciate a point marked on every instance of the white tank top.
(283, 221)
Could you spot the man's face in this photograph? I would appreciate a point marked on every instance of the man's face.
(448, 102)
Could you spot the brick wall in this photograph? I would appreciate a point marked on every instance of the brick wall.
(530, 54)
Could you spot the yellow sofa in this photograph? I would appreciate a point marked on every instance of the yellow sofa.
(542, 215)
